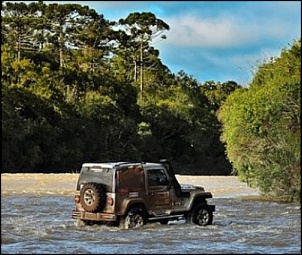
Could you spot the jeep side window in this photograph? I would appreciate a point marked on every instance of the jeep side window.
(157, 177)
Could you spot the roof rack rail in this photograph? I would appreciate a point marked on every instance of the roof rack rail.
(127, 162)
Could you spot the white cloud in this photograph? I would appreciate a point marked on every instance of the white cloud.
(191, 30)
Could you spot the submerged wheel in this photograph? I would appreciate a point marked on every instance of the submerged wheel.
(135, 218)
(202, 215)
(92, 197)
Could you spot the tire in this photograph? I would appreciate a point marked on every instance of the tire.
(201, 215)
(135, 218)
(92, 197)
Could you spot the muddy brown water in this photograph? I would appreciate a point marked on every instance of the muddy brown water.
(36, 219)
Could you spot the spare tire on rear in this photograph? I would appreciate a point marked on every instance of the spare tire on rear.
(93, 197)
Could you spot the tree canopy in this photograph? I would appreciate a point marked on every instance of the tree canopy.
(262, 128)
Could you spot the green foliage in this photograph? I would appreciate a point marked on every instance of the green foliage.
(184, 126)
(261, 127)
(144, 130)
(217, 93)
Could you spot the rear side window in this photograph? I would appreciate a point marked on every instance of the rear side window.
(157, 177)
(130, 179)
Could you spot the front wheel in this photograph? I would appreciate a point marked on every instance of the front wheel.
(202, 215)
(135, 218)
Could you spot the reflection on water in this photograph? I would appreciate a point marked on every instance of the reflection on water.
(39, 224)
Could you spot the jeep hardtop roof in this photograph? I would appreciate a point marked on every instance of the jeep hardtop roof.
(103, 165)
(117, 164)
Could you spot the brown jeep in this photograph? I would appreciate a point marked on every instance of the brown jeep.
(131, 194)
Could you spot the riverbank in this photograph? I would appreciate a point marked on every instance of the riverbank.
(64, 184)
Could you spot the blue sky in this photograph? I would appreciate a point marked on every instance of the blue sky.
(215, 40)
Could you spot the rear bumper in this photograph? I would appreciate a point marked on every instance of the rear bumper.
(82, 215)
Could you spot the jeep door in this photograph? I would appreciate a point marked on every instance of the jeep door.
(158, 191)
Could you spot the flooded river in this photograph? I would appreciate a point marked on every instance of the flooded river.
(36, 219)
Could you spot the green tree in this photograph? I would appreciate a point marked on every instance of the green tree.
(141, 30)
(217, 92)
(19, 23)
(261, 127)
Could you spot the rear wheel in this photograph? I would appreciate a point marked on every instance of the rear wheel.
(135, 218)
(92, 197)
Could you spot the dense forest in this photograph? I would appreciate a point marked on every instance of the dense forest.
(77, 88)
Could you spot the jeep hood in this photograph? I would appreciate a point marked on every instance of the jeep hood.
(190, 187)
